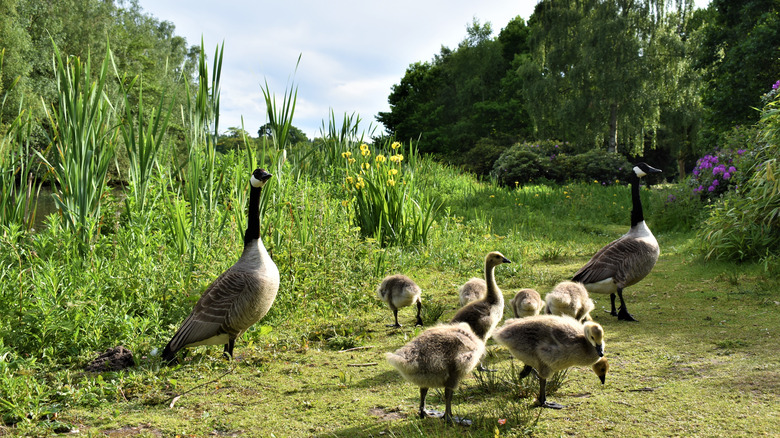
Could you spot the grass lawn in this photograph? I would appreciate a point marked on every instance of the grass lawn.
(702, 361)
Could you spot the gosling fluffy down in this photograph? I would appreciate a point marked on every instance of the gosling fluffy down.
(527, 302)
(484, 314)
(570, 298)
(438, 358)
(551, 343)
(472, 290)
(400, 291)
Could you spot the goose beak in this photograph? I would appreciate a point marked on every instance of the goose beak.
(506, 260)
(653, 170)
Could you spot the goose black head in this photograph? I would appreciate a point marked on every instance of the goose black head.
(259, 178)
(642, 169)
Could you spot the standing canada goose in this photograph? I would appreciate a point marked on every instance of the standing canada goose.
(526, 302)
(239, 297)
(472, 290)
(551, 343)
(484, 314)
(440, 357)
(624, 261)
(400, 291)
(570, 298)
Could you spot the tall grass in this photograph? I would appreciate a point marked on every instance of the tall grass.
(143, 139)
(84, 140)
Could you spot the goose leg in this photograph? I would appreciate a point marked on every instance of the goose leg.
(395, 315)
(612, 298)
(228, 353)
(526, 371)
(419, 310)
(542, 399)
(623, 314)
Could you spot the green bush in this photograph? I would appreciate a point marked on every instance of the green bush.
(746, 224)
(555, 161)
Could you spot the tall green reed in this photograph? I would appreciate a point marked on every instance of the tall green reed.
(18, 189)
(143, 138)
(201, 177)
(84, 140)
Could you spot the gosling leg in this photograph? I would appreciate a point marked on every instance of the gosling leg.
(542, 399)
(425, 413)
(395, 315)
(419, 310)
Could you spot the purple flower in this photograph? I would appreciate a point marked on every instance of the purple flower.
(696, 172)
(740, 151)
(776, 85)
(732, 169)
(711, 188)
(715, 182)
(726, 175)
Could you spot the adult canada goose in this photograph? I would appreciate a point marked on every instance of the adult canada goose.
(472, 290)
(526, 302)
(440, 357)
(569, 298)
(400, 291)
(484, 314)
(239, 297)
(551, 343)
(624, 261)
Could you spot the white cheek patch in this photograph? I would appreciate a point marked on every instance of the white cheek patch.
(639, 172)
(255, 182)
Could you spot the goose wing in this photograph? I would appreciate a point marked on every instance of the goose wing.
(606, 262)
(214, 311)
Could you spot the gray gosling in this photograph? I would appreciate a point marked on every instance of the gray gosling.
(400, 291)
(440, 357)
(551, 343)
(570, 298)
(526, 302)
(484, 314)
(627, 260)
(472, 290)
(239, 297)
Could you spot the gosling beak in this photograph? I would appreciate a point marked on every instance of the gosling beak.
(603, 379)
(600, 350)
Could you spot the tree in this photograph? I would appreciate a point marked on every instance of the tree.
(295, 135)
(739, 60)
(597, 71)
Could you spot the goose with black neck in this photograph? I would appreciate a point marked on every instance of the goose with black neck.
(239, 297)
(627, 260)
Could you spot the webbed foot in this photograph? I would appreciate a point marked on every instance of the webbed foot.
(623, 315)
(551, 405)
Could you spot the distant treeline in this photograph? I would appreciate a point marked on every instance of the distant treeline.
(649, 78)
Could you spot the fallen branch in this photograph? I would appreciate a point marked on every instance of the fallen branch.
(370, 364)
(356, 348)
(176, 398)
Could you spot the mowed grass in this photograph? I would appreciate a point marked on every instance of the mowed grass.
(701, 361)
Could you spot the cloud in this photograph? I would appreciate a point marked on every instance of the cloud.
(352, 52)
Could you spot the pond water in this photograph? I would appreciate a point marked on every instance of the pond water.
(47, 206)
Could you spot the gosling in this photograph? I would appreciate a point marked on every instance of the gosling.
(570, 298)
(440, 357)
(526, 302)
(551, 343)
(484, 314)
(472, 290)
(400, 291)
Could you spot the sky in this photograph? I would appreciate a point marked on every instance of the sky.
(351, 51)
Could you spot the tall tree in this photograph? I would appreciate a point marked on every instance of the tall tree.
(740, 60)
(597, 70)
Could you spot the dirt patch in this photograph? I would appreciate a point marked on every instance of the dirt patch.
(387, 414)
(145, 429)
(113, 359)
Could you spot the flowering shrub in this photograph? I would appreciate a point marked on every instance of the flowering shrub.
(381, 191)
(715, 174)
